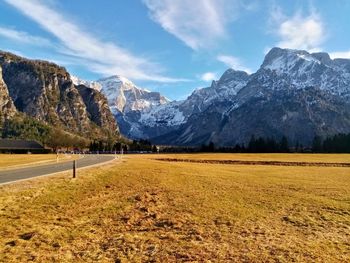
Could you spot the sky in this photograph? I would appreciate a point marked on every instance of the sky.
(170, 46)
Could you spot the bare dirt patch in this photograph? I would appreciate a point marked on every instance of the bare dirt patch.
(241, 162)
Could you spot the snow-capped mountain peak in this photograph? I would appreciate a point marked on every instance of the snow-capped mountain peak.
(123, 95)
(117, 81)
(91, 84)
(285, 60)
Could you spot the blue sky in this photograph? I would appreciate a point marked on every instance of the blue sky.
(170, 46)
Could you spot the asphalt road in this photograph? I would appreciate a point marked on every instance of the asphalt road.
(8, 176)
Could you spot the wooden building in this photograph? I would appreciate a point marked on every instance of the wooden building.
(20, 146)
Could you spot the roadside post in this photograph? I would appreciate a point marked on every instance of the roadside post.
(74, 168)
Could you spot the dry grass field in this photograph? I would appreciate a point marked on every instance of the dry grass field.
(327, 158)
(145, 210)
(16, 160)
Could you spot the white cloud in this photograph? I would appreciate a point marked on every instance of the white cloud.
(23, 37)
(298, 31)
(233, 62)
(340, 54)
(99, 56)
(198, 23)
(208, 76)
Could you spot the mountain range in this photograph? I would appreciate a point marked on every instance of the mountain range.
(294, 93)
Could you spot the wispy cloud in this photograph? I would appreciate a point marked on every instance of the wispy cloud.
(102, 57)
(208, 76)
(233, 62)
(199, 23)
(298, 31)
(23, 37)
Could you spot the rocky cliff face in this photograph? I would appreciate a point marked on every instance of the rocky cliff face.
(127, 102)
(298, 114)
(7, 108)
(45, 91)
(97, 107)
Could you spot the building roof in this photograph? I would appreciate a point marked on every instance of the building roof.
(9, 144)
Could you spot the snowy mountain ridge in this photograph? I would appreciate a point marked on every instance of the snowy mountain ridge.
(303, 69)
(239, 105)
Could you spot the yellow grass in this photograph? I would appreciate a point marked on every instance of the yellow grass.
(144, 210)
(16, 160)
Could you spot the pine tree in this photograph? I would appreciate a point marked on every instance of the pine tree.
(284, 146)
(211, 147)
(317, 144)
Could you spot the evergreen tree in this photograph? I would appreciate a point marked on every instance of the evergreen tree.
(317, 144)
(271, 145)
(297, 147)
(339, 143)
(211, 147)
(252, 144)
(284, 146)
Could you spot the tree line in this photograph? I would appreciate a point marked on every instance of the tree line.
(339, 143)
(134, 146)
(255, 145)
(25, 127)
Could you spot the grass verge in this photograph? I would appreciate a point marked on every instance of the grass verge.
(12, 161)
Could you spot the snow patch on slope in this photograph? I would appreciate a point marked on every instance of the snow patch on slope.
(166, 114)
(91, 84)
